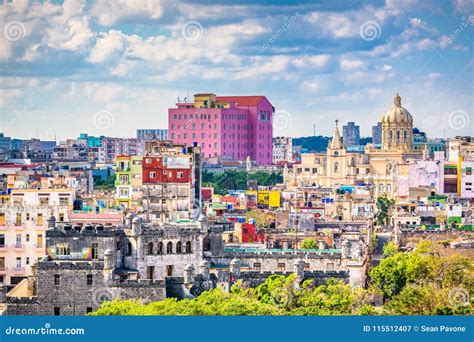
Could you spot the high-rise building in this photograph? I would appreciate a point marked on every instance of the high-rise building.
(377, 134)
(233, 127)
(351, 134)
(152, 134)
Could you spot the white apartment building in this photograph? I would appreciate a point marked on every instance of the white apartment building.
(23, 216)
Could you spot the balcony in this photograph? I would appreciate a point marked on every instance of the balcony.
(3, 270)
(18, 270)
(3, 248)
(18, 247)
(39, 248)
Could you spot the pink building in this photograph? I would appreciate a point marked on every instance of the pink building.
(225, 126)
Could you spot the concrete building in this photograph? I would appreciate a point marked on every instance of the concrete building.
(232, 127)
(282, 150)
(114, 147)
(88, 265)
(23, 217)
(377, 134)
(351, 134)
(152, 134)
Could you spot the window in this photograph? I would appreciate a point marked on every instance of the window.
(27, 237)
(64, 201)
(336, 167)
(281, 266)
(152, 174)
(18, 219)
(18, 240)
(150, 248)
(63, 249)
(89, 280)
(39, 240)
(44, 201)
(2, 240)
(179, 174)
(39, 219)
(95, 251)
(27, 260)
(57, 311)
(57, 279)
(150, 272)
(160, 248)
(2, 262)
(129, 249)
(18, 262)
(257, 266)
(178, 247)
(188, 247)
(169, 248)
(88, 309)
(2, 219)
(169, 270)
(61, 217)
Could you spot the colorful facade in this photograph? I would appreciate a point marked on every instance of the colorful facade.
(232, 127)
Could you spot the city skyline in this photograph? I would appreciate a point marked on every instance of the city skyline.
(73, 64)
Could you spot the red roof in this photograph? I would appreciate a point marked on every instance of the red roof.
(242, 100)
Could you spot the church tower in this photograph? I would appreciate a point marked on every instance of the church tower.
(336, 159)
(397, 128)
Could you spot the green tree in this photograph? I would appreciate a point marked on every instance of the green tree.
(384, 205)
(308, 244)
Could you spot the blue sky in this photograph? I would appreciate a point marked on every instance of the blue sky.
(112, 66)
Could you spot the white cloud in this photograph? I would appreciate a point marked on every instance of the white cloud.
(347, 64)
(387, 67)
(310, 86)
(110, 46)
(110, 12)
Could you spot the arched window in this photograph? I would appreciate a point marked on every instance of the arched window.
(160, 248)
(404, 136)
(206, 244)
(169, 248)
(178, 247)
(129, 248)
(150, 248)
(336, 167)
(398, 136)
(188, 247)
(391, 136)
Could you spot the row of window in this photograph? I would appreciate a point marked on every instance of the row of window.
(208, 116)
(18, 264)
(19, 240)
(153, 249)
(89, 281)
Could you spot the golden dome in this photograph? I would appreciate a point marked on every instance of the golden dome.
(397, 114)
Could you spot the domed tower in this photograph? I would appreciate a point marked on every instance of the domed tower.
(397, 128)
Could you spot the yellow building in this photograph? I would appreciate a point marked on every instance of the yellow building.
(378, 167)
